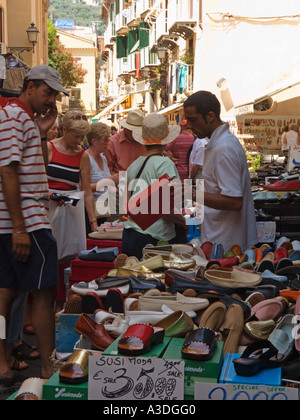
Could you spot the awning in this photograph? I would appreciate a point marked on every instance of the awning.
(124, 111)
(111, 107)
(287, 90)
(171, 109)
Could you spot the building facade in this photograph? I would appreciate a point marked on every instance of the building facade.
(84, 49)
(16, 17)
(238, 49)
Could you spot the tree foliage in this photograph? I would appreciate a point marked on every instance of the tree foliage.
(82, 13)
(71, 72)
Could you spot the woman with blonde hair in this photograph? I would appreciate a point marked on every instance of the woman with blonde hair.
(68, 173)
(98, 138)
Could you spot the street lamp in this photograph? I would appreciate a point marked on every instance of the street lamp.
(33, 36)
(146, 73)
(119, 81)
(161, 52)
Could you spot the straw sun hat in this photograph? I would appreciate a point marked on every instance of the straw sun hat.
(156, 131)
(134, 120)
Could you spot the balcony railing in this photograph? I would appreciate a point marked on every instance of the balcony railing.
(110, 33)
(190, 78)
(123, 65)
(121, 23)
(144, 6)
(181, 11)
(148, 58)
(161, 24)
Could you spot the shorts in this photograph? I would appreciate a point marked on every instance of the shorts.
(40, 271)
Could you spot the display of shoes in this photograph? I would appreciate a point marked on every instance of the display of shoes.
(245, 299)
(101, 286)
(284, 185)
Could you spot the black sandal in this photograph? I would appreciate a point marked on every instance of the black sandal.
(23, 352)
(200, 344)
(11, 384)
(250, 366)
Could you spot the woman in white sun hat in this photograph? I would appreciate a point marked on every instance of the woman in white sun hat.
(155, 134)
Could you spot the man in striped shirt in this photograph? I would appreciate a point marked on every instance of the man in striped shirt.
(28, 251)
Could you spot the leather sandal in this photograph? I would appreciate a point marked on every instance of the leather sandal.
(199, 344)
(75, 371)
(139, 338)
(250, 366)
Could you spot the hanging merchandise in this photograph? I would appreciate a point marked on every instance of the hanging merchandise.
(183, 74)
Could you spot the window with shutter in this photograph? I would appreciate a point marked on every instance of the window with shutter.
(121, 42)
(144, 35)
(132, 41)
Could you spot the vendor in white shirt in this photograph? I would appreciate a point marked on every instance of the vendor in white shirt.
(197, 158)
(229, 216)
(291, 138)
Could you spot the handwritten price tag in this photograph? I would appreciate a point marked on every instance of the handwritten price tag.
(135, 378)
(232, 392)
(266, 232)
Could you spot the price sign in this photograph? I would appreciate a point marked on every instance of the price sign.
(266, 232)
(232, 392)
(294, 157)
(135, 378)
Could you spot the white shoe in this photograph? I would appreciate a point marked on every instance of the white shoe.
(177, 302)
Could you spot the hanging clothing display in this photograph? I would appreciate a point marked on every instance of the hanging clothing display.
(183, 75)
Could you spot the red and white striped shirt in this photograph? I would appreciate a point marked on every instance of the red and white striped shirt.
(20, 142)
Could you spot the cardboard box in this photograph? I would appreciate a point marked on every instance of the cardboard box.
(190, 381)
(89, 270)
(151, 204)
(65, 336)
(53, 389)
(156, 350)
(208, 369)
(264, 377)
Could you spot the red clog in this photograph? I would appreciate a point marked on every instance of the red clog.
(280, 253)
(224, 262)
(139, 338)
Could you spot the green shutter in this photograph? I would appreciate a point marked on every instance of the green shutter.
(132, 40)
(121, 46)
(144, 35)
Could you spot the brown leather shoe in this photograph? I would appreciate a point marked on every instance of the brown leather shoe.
(94, 332)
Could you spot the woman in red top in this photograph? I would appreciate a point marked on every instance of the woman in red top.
(69, 165)
(69, 171)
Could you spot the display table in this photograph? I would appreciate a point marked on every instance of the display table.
(286, 216)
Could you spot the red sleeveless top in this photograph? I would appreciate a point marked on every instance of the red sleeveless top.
(64, 170)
